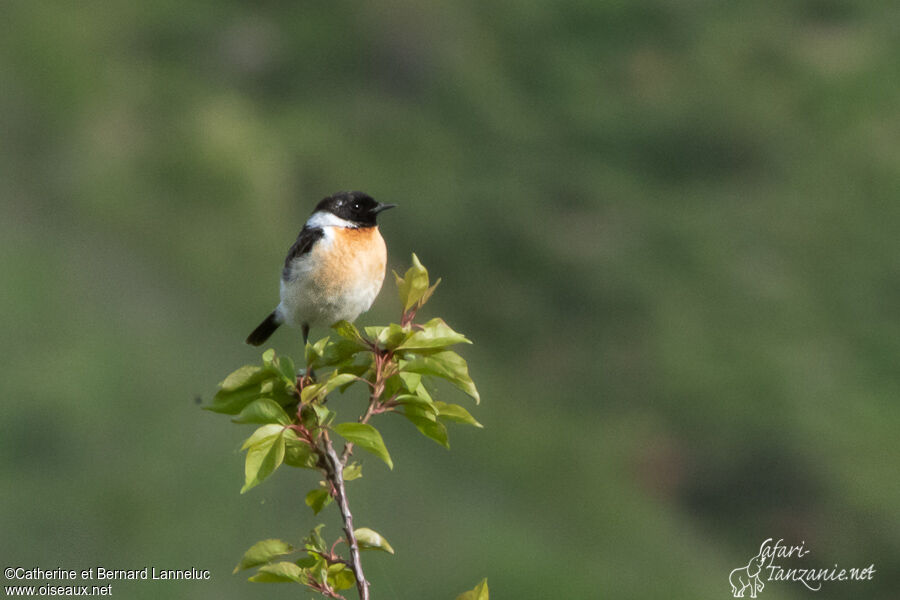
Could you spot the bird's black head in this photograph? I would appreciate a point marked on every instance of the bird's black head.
(355, 207)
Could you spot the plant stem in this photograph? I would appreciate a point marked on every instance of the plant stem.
(381, 359)
(336, 475)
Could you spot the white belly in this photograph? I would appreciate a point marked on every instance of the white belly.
(327, 285)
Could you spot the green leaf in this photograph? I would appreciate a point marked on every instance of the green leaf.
(297, 453)
(319, 571)
(425, 404)
(340, 577)
(410, 381)
(456, 413)
(308, 561)
(268, 358)
(413, 285)
(328, 353)
(308, 417)
(314, 541)
(318, 391)
(284, 395)
(352, 471)
(262, 552)
(318, 499)
(309, 392)
(422, 392)
(480, 592)
(262, 433)
(429, 292)
(280, 572)
(269, 578)
(433, 334)
(412, 409)
(393, 336)
(313, 351)
(366, 437)
(233, 401)
(287, 370)
(390, 336)
(348, 331)
(263, 410)
(371, 540)
(246, 375)
(373, 331)
(263, 458)
(337, 380)
(324, 415)
(446, 364)
(429, 428)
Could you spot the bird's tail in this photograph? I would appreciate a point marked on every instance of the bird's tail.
(265, 329)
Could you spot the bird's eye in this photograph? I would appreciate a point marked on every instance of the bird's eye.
(356, 205)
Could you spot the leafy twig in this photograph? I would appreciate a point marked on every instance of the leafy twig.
(295, 428)
(382, 358)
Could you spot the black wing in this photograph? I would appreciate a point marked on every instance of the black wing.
(308, 236)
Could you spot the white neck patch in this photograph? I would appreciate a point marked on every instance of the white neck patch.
(322, 218)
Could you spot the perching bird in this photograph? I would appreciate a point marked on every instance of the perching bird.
(334, 270)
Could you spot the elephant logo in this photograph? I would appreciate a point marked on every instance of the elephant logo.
(744, 578)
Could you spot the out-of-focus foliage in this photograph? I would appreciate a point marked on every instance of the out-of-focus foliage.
(669, 227)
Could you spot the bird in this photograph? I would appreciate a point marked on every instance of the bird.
(334, 270)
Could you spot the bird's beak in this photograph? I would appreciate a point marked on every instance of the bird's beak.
(382, 207)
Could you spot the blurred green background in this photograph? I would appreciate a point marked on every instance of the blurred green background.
(671, 229)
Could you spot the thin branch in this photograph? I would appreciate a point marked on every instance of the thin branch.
(336, 475)
(334, 468)
(382, 358)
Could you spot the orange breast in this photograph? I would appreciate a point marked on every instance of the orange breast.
(357, 257)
